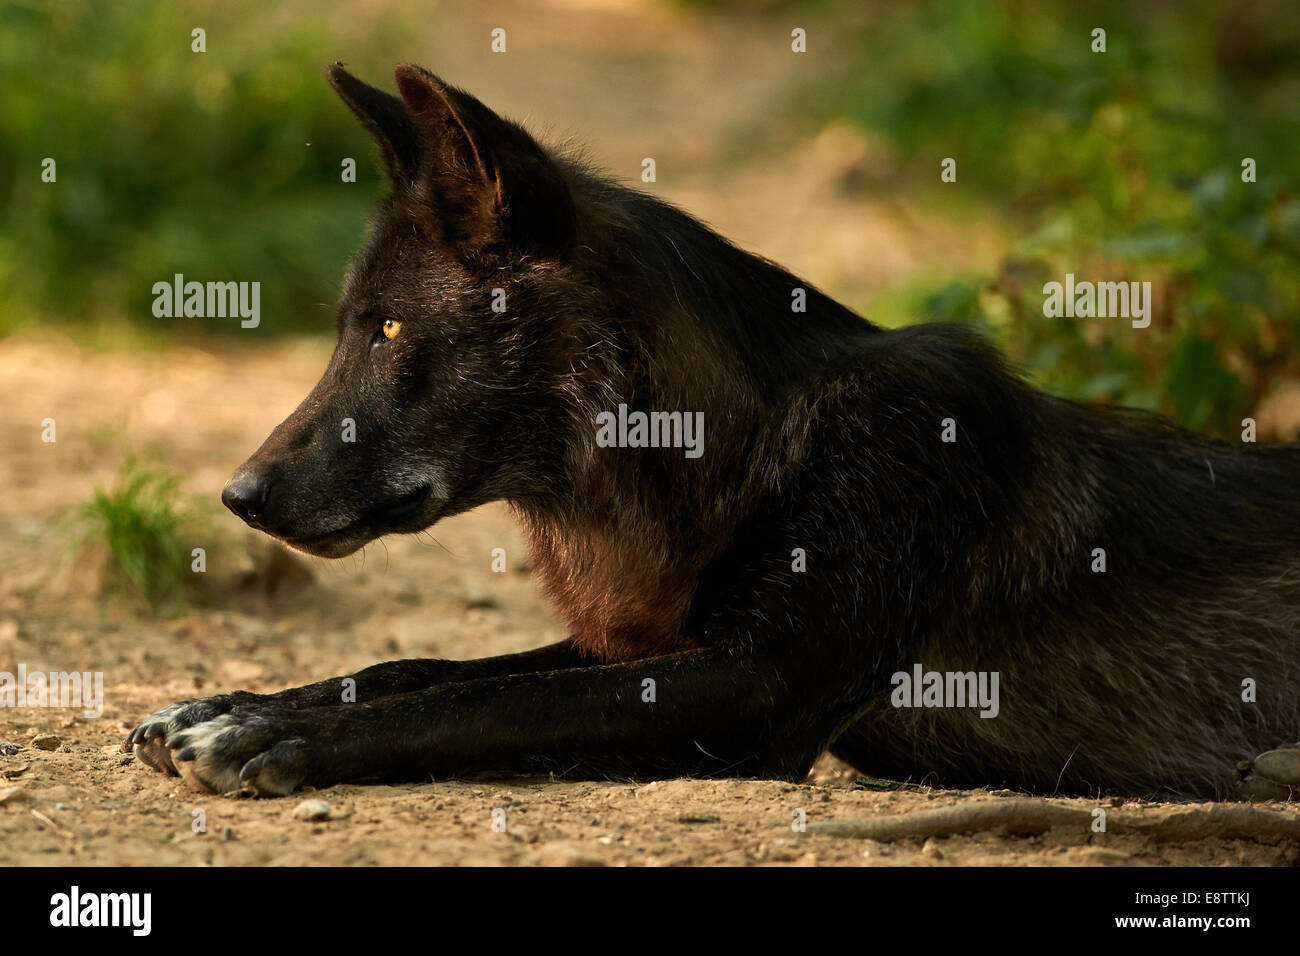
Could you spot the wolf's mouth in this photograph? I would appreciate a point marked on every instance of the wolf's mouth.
(390, 516)
(400, 509)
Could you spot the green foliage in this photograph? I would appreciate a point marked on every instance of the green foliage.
(1115, 166)
(138, 526)
(223, 165)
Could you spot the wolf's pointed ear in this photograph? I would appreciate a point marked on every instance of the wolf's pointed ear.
(494, 189)
(385, 118)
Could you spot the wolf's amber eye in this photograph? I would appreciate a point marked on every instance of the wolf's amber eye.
(391, 328)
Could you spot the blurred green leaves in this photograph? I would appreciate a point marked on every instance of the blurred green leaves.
(1115, 166)
(223, 165)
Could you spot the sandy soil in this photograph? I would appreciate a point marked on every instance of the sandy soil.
(433, 595)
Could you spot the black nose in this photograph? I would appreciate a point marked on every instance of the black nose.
(246, 494)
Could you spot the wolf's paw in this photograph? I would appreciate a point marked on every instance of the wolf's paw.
(244, 749)
(148, 740)
(1274, 775)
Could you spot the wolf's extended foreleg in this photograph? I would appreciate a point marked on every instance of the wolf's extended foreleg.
(380, 680)
(695, 713)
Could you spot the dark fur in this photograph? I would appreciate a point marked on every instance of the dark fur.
(822, 433)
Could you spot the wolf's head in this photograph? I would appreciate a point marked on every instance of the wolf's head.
(442, 390)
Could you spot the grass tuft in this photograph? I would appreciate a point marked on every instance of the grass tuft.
(139, 524)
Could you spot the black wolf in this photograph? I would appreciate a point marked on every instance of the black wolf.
(868, 506)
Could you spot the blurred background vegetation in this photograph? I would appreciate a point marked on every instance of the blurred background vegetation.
(1117, 166)
(1124, 165)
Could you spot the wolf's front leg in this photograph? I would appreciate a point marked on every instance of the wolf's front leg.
(381, 680)
(696, 713)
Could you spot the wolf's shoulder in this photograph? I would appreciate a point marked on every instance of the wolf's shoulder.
(920, 367)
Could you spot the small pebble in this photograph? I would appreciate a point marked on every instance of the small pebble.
(8, 749)
(312, 810)
(47, 741)
(14, 795)
(566, 855)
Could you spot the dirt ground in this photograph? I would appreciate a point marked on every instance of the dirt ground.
(206, 405)
(431, 595)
